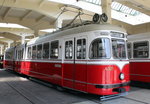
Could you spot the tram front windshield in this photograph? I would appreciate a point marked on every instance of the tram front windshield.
(100, 48)
(118, 49)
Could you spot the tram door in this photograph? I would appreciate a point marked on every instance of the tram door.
(80, 71)
(69, 61)
(75, 64)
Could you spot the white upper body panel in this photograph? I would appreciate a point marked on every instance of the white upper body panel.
(139, 37)
(77, 31)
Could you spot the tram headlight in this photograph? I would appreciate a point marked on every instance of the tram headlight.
(121, 76)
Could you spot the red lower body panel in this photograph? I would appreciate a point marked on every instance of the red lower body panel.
(140, 71)
(80, 77)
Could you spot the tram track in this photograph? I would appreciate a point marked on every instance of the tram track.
(136, 100)
(20, 93)
(88, 97)
(30, 96)
(103, 102)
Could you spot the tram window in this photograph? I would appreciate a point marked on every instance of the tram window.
(16, 54)
(33, 52)
(141, 49)
(19, 54)
(9, 55)
(54, 49)
(129, 50)
(39, 51)
(21, 57)
(118, 48)
(46, 50)
(81, 49)
(100, 48)
(68, 49)
(6, 55)
(29, 53)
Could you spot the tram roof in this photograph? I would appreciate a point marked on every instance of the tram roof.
(76, 30)
(141, 36)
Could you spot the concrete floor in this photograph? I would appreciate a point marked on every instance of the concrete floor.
(18, 90)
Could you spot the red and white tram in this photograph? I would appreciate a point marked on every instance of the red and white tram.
(139, 55)
(90, 58)
(9, 56)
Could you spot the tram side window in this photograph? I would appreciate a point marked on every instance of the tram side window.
(68, 49)
(141, 49)
(100, 48)
(54, 49)
(19, 54)
(81, 49)
(8, 55)
(39, 51)
(22, 53)
(129, 50)
(29, 53)
(46, 50)
(16, 54)
(34, 52)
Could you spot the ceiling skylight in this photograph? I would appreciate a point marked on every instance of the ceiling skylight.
(128, 15)
(124, 9)
(133, 20)
(9, 25)
(48, 30)
(119, 12)
(97, 2)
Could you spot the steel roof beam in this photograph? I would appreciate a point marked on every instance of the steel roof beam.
(41, 3)
(6, 13)
(40, 18)
(10, 36)
(4, 43)
(26, 15)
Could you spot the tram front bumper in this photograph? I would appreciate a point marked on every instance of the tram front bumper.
(113, 85)
(112, 89)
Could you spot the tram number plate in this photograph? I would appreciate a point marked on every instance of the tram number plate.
(58, 65)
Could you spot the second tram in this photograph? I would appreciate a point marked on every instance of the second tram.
(139, 55)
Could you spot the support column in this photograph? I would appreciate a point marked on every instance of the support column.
(58, 24)
(36, 33)
(9, 43)
(4, 48)
(22, 39)
(106, 8)
(1, 50)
